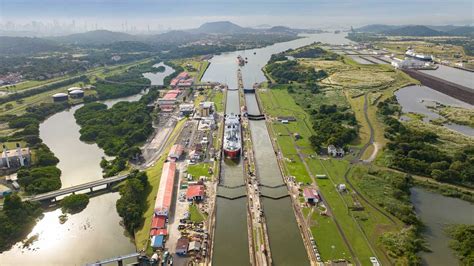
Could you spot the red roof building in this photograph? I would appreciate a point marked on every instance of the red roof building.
(165, 190)
(310, 195)
(157, 232)
(158, 222)
(195, 193)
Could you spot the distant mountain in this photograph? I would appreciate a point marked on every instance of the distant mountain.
(280, 29)
(444, 28)
(97, 37)
(221, 27)
(462, 31)
(416, 30)
(377, 28)
(175, 36)
(27, 45)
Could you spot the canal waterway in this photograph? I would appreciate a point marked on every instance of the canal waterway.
(417, 99)
(284, 235)
(436, 211)
(455, 75)
(98, 224)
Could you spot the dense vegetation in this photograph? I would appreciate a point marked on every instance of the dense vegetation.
(74, 203)
(16, 220)
(49, 87)
(462, 242)
(132, 202)
(42, 175)
(391, 191)
(118, 130)
(333, 125)
(125, 84)
(416, 152)
(290, 71)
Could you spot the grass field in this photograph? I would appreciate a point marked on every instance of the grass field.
(361, 228)
(218, 99)
(198, 170)
(195, 215)
(142, 236)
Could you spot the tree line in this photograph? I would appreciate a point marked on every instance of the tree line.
(416, 151)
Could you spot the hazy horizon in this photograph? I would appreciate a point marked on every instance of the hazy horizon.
(56, 17)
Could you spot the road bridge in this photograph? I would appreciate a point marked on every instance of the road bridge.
(71, 190)
(118, 259)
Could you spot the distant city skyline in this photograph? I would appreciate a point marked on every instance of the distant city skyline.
(57, 17)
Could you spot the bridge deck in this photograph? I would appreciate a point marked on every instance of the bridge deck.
(114, 259)
(64, 191)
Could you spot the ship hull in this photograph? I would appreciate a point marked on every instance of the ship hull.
(232, 154)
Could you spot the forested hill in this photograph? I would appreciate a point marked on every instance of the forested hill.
(417, 30)
(21, 45)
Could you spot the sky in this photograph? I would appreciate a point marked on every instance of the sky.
(159, 15)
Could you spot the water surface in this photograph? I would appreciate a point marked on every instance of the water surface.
(416, 99)
(436, 211)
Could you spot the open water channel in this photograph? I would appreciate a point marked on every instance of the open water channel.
(285, 241)
(93, 234)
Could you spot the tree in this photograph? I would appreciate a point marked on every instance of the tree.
(74, 203)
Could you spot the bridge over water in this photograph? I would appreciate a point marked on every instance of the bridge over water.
(118, 259)
(71, 190)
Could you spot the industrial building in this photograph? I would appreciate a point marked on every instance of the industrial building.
(60, 97)
(206, 109)
(158, 230)
(310, 195)
(182, 246)
(158, 241)
(195, 193)
(186, 109)
(165, 191)
(15, 158)
(183, 80)
(176, 152)
(169, 100)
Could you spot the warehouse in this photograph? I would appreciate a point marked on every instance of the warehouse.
(165, 191)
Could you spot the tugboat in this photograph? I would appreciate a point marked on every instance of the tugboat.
(240, 61)
(232, 137)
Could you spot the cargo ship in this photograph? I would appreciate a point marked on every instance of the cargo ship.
(232, 137)
(422, 57)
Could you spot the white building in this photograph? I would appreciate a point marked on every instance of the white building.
(15, 158)
(335, 152)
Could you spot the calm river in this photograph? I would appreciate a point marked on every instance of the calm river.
(93, 234)
(436, 211)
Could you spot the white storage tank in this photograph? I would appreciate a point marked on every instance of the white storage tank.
(76, 94)
(60, 97)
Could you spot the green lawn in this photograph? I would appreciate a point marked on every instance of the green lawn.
(195, 215)
(279, 102)
(200, 169)
(218, 99)
(325, 234)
